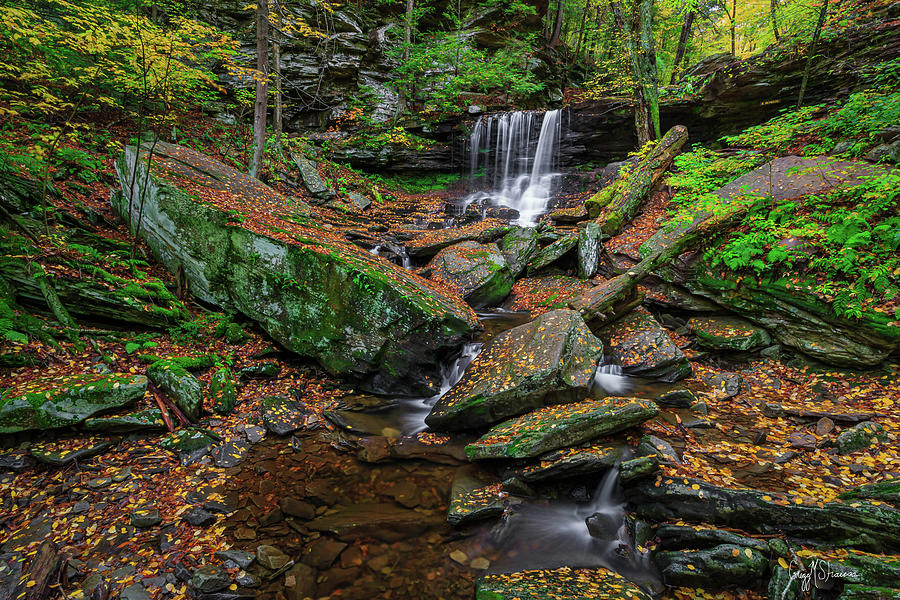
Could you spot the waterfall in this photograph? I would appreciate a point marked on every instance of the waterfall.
(519, 170)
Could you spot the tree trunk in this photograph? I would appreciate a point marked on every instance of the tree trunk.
(618, 203)
(603, 303)
(557, 24)
(262, 81)
(812, 52)
(686, 27)
(650, 78)
(643, 66)
(279, 107)
(587, 9)
(407, 41)
(733, 27)
(774, 14)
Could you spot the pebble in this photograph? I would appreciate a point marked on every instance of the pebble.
(480, 563)
(459, 556)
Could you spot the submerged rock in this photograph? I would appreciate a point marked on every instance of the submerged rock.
(478, 271)
(728, 333)
(471, 499)
(552, 358)
(555, 427)
(643, 348)
(313, 291)
(386, 522)
(54, 402)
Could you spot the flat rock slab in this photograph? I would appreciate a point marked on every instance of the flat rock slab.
(143, 420)
(561, 426)
(64, 452)
(54, 402)
(283, 416)
(728, 333)
(736, 565)
(793, 176)
(478, 271)
(429, 243)
(568, 462)
(472, 499)
(551, 358)
(538, 295)
(386, 522)
(559, 584)
(643, 347)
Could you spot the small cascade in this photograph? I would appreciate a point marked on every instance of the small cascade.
(574, 534)
(518, 166)
(395, 254)
(610, 381)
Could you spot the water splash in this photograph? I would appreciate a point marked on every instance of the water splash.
(520, 171)
(585, 534)
(609, 380)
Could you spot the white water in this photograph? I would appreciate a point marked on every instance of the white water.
(609, 379)
(520, 171)
(412, 412)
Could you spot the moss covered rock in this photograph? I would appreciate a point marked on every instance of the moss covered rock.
(222, 390)
(885, 491)
(553, 253)
(589, 245)
(478, 271)
(724, 565)
(239, 245)
(858, 437)
(184, 389)
(728, 333)
(54, 402)
(552, 358)
(557, 584)
(554, 427)
(519, 246)
(142, 420)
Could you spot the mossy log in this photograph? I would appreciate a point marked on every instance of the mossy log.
(604, 303)
(618, 203)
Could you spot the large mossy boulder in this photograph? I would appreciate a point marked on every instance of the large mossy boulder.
(243, 246)
(519, 246)
(561, 426)
(550, 359)
(478, 271)
(643, 348)
(724, 565)
(54, 402)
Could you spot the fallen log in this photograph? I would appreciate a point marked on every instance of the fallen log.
(606, 302)
(618, 203)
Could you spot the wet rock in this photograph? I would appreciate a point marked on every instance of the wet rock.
(562, 584)
(254, 433)
(271, 557)
(802, 439)
(724, 383)
(359, 201)
(682, 537)
(720, 566)
(238, 557)
(35, 531)
(728, 333)
(361, 423)
(231, 453)
(322, 553)
(222, 390)
(472, 499)
(15, 461)
(429, 244)
(283, 416)
(135, 591)
(297, 508)
(552, 253)
(145, 517)
(386, 522)
(190, 445)
(650, 445)
(52, 455)
(265, 370)
(519, 246)
(143, 420)
(561, 426)
(637, 468)
(858, 524)
(855, 591)
(199, 517)
(183, 388)
(552, 358)
(406, 493)
(566, 463)
(54, 402)
(300, 582)
(885, 153)
(356, 313)
(211, 578)
(478, 271)
(589, 245)
(858, 437)
(644, 348)
(884, 491)
(678, 396)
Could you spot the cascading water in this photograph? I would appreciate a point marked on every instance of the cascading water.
(519, 168)
(609, 379)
